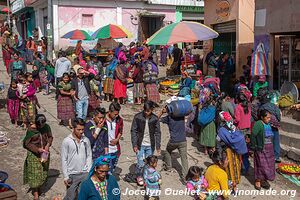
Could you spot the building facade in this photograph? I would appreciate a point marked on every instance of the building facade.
(234, 21)
(277, 25)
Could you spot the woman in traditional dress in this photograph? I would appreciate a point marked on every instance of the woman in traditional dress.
(6, 49)
(185, 84)
(108, 85)
(37, 142)
(208, 131)
(94, 97)
(138, 88)
(100, 184)
(120, 83)
(30, 49)
(79, 50)
(150, 78)
(65, 107)
(16, 67)
(233, 142)
(261, 144)
(163, 55)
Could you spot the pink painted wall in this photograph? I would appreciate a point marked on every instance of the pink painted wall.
(70, 18)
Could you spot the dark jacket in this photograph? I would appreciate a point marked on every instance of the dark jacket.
(138, 130)
(86, 81)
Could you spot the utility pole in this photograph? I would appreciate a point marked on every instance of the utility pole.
(50, 30)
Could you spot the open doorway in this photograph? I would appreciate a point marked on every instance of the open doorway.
(149, 23)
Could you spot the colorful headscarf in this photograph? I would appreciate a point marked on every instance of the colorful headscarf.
(226, 117)
(102, 160)
(204, 95)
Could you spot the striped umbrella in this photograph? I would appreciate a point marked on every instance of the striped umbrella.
(182, 32)
(77, 35)
(111, 31)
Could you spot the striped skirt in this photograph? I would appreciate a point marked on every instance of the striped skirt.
(138, 90)
(152, 93)
(65, 108)
(13, 108)
(264, 163)
(28, 111)
(234, 166)
(35, 172)
(108, 86)
(208, 135)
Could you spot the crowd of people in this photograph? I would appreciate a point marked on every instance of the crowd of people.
(231, 125)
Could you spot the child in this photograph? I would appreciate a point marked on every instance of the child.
(152, 178)
(13, 102)
(36, 78)
(196, 182)
(22, 90)
(43, 76)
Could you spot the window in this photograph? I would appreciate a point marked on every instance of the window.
(87, 20)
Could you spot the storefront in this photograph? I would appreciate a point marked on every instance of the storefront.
(234, 21)
(281, 37)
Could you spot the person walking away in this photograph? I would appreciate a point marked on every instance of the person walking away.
(43, 75)
(30, 49)
(177, 141)
(196, 182)
(100, 184)
(138, 88)
(114, 125)
(65, 107)
(261, 144)
(108, 85)
(145, 136)
(233, 142)
(81, 91)
(37, 142)
(153, 179)
(217, 177)
(76, 158)
(62, 65)
(17, 67)
(150, 78)
(13, 103)
(96, 131)
(6, 49)
(242, 120)
(120, 83)
(212, 64)
(163, 55)
(175, 67)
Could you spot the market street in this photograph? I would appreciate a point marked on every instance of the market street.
(12, 157)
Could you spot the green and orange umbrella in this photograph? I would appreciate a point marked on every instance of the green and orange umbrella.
(184, 31)
(77, 35)
(111, 31)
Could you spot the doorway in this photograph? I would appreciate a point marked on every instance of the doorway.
(148, 24)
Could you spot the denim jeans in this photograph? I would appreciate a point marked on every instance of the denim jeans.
(276, 143)
(82, 108)
(246, 163)
(143, 153)
(113, 162)
(182, 149)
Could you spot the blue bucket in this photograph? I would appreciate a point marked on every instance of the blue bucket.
(3, 176)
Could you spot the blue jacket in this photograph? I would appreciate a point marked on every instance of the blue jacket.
(89, 192)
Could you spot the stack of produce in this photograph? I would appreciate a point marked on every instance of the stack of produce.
(174, 90)
(164, 86)
(289, 169)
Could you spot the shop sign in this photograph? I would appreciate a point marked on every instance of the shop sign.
(194, 9)
(223, 10)
(17, 5)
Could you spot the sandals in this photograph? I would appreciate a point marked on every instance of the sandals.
(140, 181)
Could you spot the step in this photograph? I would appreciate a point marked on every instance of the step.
(289, 139)
(290, 125)
(291, 153)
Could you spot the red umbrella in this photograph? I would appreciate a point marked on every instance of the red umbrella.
(6, 10)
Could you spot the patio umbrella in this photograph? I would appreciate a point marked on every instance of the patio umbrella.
(77, 35)
(5, 10)
(111, 31)
(182, 32)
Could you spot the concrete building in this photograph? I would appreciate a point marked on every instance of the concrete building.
(277, 25)
(234, 21)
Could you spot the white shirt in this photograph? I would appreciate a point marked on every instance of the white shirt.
(111, 126)
(146, 139)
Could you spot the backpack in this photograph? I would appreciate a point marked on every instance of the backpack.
(206, 115)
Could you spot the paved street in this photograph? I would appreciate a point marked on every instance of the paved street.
(13, 156)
